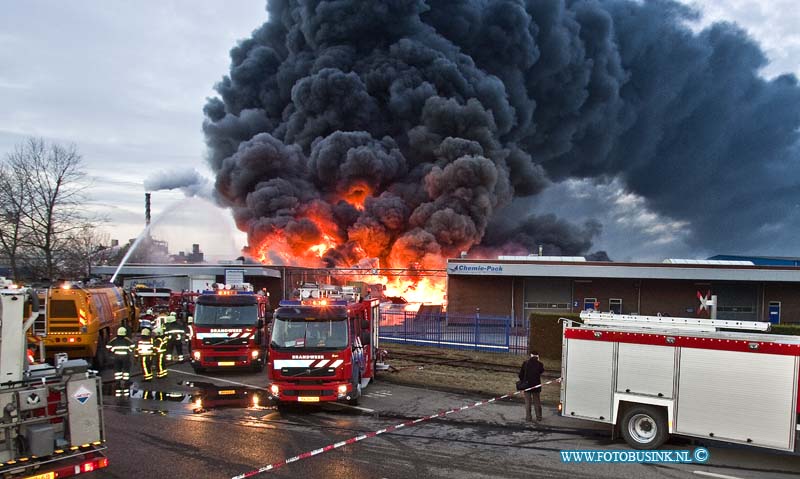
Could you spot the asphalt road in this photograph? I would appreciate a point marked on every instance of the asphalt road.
(160, 432)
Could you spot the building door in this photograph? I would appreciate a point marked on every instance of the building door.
(615, 305)
(589, 303)
(774, 312)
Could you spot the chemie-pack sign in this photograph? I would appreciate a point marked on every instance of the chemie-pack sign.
(475, 268)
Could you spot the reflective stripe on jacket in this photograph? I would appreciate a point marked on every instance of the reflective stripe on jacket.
(121, 346)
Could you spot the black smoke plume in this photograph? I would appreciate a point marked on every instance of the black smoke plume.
(396, 129)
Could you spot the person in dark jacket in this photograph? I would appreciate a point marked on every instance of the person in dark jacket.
(123, 349)
(531, 373)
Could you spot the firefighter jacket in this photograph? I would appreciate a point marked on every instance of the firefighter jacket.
(175, 331)
(160, 344)
(144, 347)
(121, 346)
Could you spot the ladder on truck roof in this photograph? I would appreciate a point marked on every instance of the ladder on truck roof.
(594, 318)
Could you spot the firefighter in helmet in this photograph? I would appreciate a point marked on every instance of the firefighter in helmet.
(146, 320)
(123, 349)
(160, 348)
(175, 334)
(146, 352)
(190, 333)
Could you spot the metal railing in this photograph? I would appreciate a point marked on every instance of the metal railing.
(440, 329)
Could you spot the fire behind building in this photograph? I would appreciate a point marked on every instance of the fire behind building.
(517, 286)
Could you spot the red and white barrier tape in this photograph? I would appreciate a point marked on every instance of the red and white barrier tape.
(352, 440)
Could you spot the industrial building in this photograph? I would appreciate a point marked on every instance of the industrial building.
(516, 286)
(198, 277)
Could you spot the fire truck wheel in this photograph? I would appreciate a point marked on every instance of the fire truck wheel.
(258, 366)
(644, 427)
(356, 393)
(99, 360)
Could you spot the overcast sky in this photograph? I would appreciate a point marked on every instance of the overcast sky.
(126, 82)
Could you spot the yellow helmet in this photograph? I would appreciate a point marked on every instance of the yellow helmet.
(122, 331)
(145, 332)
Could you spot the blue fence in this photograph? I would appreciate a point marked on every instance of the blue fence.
(453, 331)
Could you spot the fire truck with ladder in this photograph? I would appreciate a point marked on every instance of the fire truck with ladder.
(229, 328)
(650, 377)
(52, 425)
(323, 346)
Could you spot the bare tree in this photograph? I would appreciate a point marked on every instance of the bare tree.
(85, 247)
(13, 204)
(54, 185)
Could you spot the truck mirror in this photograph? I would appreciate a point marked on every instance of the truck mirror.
(366, 338)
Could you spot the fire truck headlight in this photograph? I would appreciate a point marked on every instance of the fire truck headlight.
(254, 353)
(196, 355)
(342, 390)
(273, 388)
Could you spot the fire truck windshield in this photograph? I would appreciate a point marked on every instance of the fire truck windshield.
(302, 333)
(228, 315)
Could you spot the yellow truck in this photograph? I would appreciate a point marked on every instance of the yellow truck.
(82, 319)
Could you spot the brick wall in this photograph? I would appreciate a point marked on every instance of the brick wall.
(789, 296)
(678, 298)
(491, 294)
(605, 289)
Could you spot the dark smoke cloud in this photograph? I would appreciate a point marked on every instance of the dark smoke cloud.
(401, 129)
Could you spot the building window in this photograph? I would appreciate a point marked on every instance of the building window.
(615, 305)
(546, 306)
(591, 303)
(735, 309)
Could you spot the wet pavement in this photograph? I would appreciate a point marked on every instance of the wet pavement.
(217, 425)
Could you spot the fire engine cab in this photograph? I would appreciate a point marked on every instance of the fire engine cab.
(323, 346)
(229, 328)
(652, 376)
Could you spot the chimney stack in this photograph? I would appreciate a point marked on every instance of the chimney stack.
(147, 209)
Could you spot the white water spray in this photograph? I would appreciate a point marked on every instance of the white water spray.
(145, 233)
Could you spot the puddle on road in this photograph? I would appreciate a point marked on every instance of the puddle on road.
(200, 396)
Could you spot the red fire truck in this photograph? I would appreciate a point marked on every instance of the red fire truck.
(229, 328)
(323, 346)
(651, 376)
(182, 303)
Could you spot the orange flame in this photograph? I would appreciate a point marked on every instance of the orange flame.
(356, 194)
(414, 285)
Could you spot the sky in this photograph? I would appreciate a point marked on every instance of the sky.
(126, 83)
